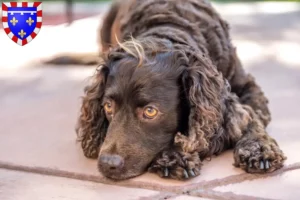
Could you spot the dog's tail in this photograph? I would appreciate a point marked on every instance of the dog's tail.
(75, 59)
(105, 32)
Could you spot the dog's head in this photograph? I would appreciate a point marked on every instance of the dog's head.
(139, 101)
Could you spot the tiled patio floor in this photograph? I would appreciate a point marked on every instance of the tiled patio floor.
(39, 157)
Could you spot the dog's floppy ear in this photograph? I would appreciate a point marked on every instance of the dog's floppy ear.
(203, 89)
(92, 123)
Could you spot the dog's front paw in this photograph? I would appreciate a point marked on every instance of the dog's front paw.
(176, 165)
(259, 156)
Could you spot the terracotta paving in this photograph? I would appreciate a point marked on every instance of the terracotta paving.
(39, 156)
(61, 188)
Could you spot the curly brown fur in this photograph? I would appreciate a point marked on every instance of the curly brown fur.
(181, 62)
(92, 124)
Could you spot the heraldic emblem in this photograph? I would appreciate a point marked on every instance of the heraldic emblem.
(22, 21)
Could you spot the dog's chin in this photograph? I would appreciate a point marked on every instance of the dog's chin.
(121, 175)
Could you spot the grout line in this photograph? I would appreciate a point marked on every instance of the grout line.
(239, 178)
(184, 189)
(84, 177)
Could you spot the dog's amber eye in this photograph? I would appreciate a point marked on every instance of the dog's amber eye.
(108, 108)
(150, 112)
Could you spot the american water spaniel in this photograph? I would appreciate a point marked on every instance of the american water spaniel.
(170, 92)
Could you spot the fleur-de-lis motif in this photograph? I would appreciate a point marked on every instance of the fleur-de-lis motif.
(22, 33)
(14, 21)
(29, 21)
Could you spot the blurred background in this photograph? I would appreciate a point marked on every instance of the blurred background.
(39, 103)
(253, 22)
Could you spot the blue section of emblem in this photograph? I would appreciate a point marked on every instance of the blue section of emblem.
(22, 21)
(21, 8)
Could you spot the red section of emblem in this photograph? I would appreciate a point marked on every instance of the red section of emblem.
(4, 19)
(33, 35)
(39, 13)
(13, 4)
(4, 7)
(36, 4)
(38, 24)
(24, 4)
(15, 39)
(24, 42)
(7, 31)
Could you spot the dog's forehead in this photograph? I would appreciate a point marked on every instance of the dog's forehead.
(143, 82)
(126, 72)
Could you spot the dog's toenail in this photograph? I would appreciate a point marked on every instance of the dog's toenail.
(250, 164)
(242, 158)
(261, 166)
(192, 173)
(166, 172)
(197, 171)
(267, 164)
(185, 174)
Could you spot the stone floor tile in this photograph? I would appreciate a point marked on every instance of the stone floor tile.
(38, 120)
(26, 186)
(285, 187)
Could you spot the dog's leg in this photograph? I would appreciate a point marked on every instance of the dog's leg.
(248, 91)
(176, 164)
(255, 151)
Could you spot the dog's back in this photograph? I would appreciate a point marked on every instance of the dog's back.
(194, 23)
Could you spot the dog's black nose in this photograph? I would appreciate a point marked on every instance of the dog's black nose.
(111, 162)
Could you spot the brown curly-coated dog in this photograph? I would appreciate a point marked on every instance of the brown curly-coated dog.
(170, 92)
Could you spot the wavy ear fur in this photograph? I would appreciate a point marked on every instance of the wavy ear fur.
(92, 123)
(204, 86)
